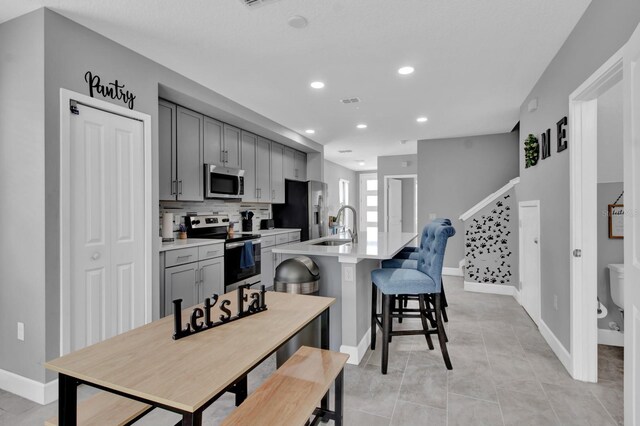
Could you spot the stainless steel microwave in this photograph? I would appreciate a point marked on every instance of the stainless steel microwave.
(223, 182)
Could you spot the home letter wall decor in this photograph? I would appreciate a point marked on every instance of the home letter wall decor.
(562, 134)
(546, 144)
(533, 151)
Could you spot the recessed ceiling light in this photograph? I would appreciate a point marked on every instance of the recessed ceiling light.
(310, 131)
(421, 119)
(405, 70)
(345, 151)
(297, 21)
(361, 163)
(317, 85)
(361, 126)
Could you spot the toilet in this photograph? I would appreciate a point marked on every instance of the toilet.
(616, 278)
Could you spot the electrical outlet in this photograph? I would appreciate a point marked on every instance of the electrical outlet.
(348, 273)
(432, 216)
(21, 331)
(555, 302)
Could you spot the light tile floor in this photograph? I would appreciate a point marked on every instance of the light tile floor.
(503, 373)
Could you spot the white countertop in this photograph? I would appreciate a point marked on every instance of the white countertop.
(189, 242)
(382, 245)
(267, 232)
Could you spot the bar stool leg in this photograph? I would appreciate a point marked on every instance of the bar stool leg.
(441, 334)
(386, 329)
(444, 306)
(423, 318)
(374, 314)
(401, 300)
(393, 305)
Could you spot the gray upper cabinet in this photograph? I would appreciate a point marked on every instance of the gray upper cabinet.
(263, 170)
(277, 173)
(249, 141)
(289, 163)
(232, 146)
(167, 150)
(189, 150)
(213, 142)
(300, 166)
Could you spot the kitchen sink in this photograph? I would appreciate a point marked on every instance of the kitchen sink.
(332, 243)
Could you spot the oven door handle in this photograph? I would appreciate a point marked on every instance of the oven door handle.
(241, 244)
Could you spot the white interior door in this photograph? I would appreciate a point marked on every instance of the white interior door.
(107, 226)
(369, 204)
(529, 213)
(631, 78)
(394, 206)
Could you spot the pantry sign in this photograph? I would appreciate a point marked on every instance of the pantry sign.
(113, 90)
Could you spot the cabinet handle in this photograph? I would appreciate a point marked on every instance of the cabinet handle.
(226, 156)
(173, 187)
(179, 187)
(202, 276)
(186, 256)
(222, 155)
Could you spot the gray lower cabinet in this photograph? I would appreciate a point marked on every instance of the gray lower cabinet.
(211, 277)
(249, 141)
(167, 184)
(189, 155)
(191, 274)
(263, 170)
(267, 266)
(181, 283)
(277, 173)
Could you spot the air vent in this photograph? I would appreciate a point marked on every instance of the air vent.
(255, 3)
(345, 151)
(350, 100)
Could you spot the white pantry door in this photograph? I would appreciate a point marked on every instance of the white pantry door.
(107, 226)
(529, 213)
(394, 206)
(631, 78)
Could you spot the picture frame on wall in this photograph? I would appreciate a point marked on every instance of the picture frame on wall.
(616, 221)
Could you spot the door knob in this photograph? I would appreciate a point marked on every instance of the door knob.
(95, 256)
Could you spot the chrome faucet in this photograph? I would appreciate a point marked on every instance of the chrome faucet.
(354, 233)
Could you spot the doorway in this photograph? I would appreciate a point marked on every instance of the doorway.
(400, 203)
(583, 153)
(529, 240)
(105, 207)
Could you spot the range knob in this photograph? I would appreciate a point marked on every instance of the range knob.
(195, 222)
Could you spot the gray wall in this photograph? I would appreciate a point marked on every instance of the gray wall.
(610, 129)
(408, 204)
(392, 166)
(491, 243)
(41, 53)
(455, 174)
(332, 175)
(603, 29)
(609, 251)
(22, 191)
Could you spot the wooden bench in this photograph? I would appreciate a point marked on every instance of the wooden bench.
(106, 409)
(290, 396)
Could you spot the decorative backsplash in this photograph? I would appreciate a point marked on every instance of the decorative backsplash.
(490, 242)
(233, 209)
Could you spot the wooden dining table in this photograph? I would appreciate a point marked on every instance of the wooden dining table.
(185, 376)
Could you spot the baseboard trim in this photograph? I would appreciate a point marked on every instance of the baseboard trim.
(610, 337)
(357, 353)
(453, 272)
(516, 295)
(556, 346)
(504, 289)
(41, 393)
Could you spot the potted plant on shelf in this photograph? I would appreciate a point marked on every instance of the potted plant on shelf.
(182, 232)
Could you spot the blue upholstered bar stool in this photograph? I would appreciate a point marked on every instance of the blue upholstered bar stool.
(408, 258)
(425, 282)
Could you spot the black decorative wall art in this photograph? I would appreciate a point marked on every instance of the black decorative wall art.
(487, 244)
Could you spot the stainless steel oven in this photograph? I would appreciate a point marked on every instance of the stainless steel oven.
(215, 227)
(223, 182)
(234, 274)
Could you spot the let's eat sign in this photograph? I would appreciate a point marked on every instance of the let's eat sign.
(534, 150)
(201, 319)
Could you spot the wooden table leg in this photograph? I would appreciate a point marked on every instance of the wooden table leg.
(67, 400)
(192, 419)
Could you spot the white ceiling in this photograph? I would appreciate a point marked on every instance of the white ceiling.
(475, 60)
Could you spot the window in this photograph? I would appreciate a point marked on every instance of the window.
(368, 208)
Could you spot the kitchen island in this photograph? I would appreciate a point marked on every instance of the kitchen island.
(345, 274)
